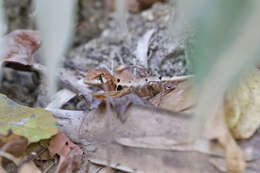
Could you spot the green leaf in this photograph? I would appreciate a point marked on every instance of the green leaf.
(33, 123)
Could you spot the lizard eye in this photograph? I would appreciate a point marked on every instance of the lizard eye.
(118, 80)
(100, 79)
(119, 88)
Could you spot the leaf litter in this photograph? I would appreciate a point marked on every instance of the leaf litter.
(141, 123)
(69, 153)
(142, 137)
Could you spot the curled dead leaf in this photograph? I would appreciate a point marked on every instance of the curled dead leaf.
(69, 152)
(20, 47)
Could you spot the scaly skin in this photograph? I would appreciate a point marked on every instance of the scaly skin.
(143, 87)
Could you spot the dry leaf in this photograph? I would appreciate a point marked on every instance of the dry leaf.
(131, 159)
(20, 47)
(217, 129)
(69, 122)
(13, 144)
(242, 106)
(69, 152)
(177, 100)
(140, 121)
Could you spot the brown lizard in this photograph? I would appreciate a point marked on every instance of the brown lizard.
(142, 87)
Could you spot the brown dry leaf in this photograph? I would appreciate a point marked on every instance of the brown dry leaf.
(13, 144)
(216, 128)
(150, 124)
(101, 78)
(20, 47)
(139, 160)
(70, 154)
(140, 121)
(178, 100)
(242, 106)
(29, 168)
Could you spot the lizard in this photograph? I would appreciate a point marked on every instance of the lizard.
(143, 87)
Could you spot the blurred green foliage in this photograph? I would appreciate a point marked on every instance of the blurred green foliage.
(216, 26)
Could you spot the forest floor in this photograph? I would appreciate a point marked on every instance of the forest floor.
(123, 104)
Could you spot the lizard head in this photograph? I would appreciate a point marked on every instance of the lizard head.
(101, 78)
